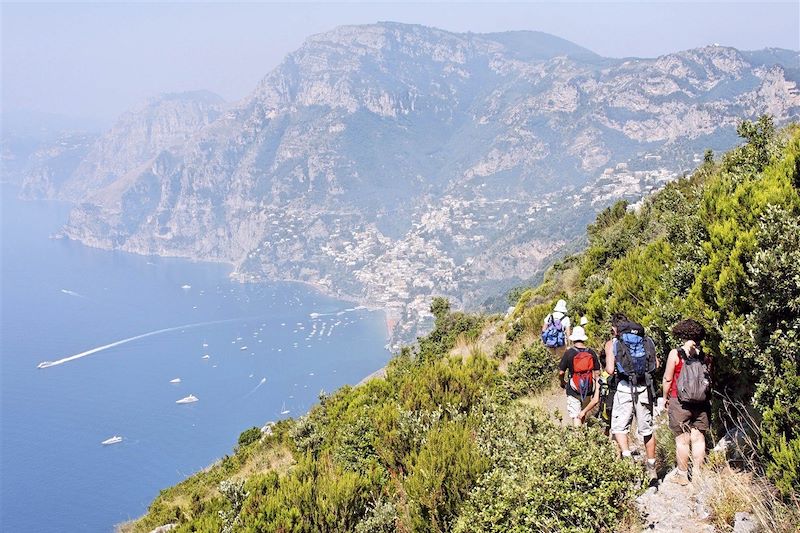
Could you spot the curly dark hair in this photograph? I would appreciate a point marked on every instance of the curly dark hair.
(689, 330)
(617, 318)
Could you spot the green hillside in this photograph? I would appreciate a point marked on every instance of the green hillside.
(448, 441)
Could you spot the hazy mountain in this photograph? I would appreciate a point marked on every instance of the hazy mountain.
(160, 123)
(389, 162)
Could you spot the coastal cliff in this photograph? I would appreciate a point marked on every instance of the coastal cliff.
(387, 162)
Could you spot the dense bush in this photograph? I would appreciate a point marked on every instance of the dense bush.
(441, 475)
(533, 371)
(544, 477)
(249, 436)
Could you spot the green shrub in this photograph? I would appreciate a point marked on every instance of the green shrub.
(249, 436)
(532, 372)
(547, 478)
(501, 351)
(441, 475)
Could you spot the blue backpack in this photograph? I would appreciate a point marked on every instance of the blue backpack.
(553, 335)
(634, 352)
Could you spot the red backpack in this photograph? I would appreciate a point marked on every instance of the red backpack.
(583, 373)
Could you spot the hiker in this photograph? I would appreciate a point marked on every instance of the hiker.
(631, 360)
(607, 385)
(584, 369)
(556, 329)
(687, 395)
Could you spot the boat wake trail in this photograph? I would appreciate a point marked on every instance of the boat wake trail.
(48, 364)
(73, 293)
(263, 380)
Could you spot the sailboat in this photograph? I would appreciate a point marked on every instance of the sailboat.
(284, 410)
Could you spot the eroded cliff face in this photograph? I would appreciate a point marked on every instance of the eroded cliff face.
(78, 165)
(45, 171)
(391, 162)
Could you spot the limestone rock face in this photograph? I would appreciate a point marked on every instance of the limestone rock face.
(50, 166)
(78, 165)
(392, 162)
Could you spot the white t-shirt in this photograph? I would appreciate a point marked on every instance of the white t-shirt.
(558, 316)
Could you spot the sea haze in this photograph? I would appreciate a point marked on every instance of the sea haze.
(60, 298)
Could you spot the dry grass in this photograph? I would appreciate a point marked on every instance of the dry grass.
(730, 491)
(492, 335)
(276, 459)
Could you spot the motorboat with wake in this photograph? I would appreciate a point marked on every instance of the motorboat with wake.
(112, 440)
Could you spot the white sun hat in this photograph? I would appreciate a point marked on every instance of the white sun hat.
(584, 320)
(561, 307)
(578, 334)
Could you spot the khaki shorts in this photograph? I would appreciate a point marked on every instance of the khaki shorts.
(575, 406)
(623, 411)
(684, 417)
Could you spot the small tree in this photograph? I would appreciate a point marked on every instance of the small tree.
(249, 436)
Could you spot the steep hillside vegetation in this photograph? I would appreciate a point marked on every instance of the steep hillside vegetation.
(443, 442)
(722, 246)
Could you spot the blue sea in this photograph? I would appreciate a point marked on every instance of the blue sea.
(270, 347)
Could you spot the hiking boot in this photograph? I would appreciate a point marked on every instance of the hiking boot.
(651, 470)
(681, 478)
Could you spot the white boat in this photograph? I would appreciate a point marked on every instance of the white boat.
(284, 410)
(206, 356)
(243, 348)
(187, 286)
(189, 399)
(176, 380)
(44, 364)
(113, 440)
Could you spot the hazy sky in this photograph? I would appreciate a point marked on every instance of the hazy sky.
(96, 60)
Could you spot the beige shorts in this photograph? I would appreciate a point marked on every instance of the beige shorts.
(623, 411)
(575, 406)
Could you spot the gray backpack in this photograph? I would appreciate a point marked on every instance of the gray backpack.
(694, 381)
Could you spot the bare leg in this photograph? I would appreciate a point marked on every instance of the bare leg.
(682, 451)
(622, 441)
(650, 446)
(698, 440)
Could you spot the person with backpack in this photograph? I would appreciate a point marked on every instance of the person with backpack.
(631, 359)
(583, 366)
(687, 395)
(607, 384)
(556, 329)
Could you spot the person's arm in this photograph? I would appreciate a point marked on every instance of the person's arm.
(669, 373)
(609, 348)
(595, 397)
(562, 369)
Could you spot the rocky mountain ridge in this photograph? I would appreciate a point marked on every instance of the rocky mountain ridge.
(160, 123)
(388, 162)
